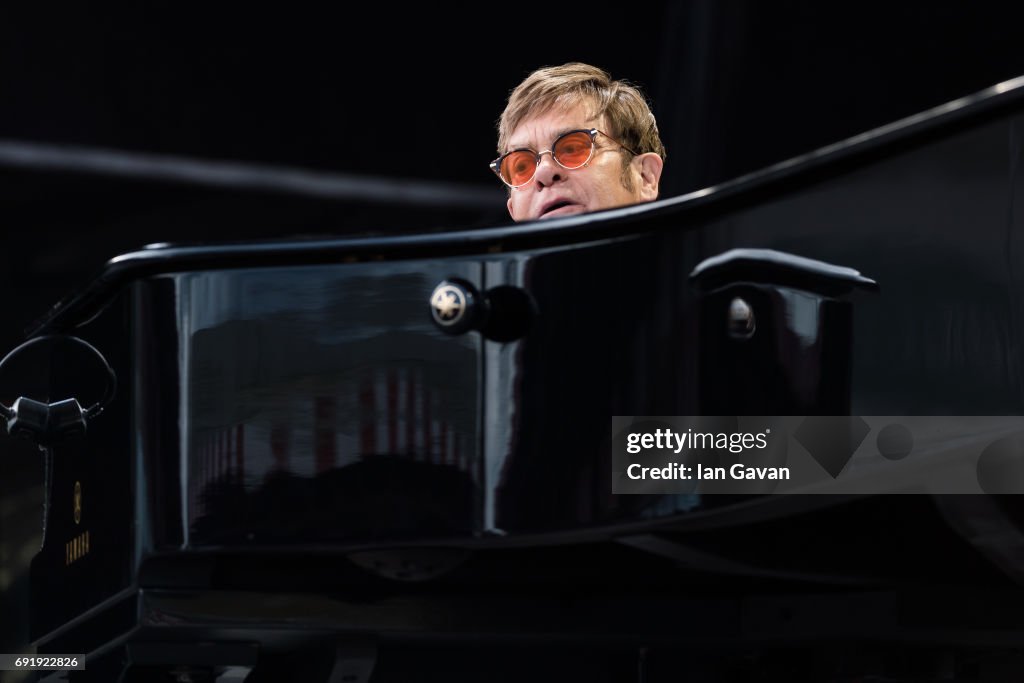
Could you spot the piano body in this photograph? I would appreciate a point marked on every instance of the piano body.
(332, 457)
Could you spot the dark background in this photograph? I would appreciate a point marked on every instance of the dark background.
(410, 93)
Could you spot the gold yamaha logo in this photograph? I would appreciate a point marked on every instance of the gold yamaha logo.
(76, 548)
(448, 304)
(78, 502)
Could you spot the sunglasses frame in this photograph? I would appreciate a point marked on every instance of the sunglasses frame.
(592, 132)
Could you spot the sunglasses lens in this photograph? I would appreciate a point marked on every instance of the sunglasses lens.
(518, 167)
(573, 150)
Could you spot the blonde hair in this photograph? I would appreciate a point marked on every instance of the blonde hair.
(623, 105)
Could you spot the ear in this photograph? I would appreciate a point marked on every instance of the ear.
(648, 166)
(508, 205)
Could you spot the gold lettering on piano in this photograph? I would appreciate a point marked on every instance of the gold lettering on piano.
(78, 502)
(76, 548)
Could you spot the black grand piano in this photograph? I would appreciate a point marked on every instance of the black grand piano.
(390, 458)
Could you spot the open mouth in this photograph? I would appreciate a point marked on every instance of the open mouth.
(549, 210)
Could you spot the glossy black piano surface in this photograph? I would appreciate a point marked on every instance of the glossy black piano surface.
(297, 452)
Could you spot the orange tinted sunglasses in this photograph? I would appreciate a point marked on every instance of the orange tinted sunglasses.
(570, 150)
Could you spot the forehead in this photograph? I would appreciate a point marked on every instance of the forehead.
(538, 130)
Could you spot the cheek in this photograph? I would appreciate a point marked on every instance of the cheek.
(601, 191)
(519, 203)
(611, 174)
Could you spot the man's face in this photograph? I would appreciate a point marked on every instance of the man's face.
(555, 191)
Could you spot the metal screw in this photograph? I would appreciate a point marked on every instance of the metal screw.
(741, 319)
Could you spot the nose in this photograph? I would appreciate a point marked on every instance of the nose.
(548, 171)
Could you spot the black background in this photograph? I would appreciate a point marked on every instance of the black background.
(388, 91)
